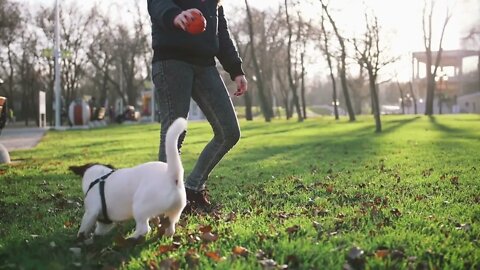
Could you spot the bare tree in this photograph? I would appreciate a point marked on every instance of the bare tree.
(120, 56)
(343, 64)
(242, 51)
(11, 23)
(369, 54)
(412, 93)
(428, 24)
(101, 56)
(28, 76)
(291, 79)
(325, 46)
(473, 40)
(402, 97)
(264, 102)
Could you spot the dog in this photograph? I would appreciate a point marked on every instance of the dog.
(142, 192)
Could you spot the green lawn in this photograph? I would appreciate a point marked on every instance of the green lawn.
(314, 195)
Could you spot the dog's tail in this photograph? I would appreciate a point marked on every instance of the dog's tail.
(175, 168)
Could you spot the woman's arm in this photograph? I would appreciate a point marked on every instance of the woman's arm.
(163, 12)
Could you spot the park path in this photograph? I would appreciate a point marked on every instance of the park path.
(19, 138)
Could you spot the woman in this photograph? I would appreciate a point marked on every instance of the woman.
(183, 67)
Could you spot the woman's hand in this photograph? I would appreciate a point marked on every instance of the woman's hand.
(242, 85)
(184, 18)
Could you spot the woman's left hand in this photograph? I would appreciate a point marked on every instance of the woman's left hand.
(242, 85)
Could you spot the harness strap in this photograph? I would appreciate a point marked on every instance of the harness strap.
(101, 188)
(105, 219)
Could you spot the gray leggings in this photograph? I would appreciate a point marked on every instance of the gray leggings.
(175, 83)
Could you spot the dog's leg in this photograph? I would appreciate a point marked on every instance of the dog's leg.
(141, 228)
(173, 219)
(103, 229)
(88, 221)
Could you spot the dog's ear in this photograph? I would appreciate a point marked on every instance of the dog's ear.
(80, 170)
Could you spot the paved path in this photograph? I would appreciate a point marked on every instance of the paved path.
(16, 138)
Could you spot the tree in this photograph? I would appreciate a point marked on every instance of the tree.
(291, 80)
(343, 64)
(242, 51)
(428, 24)
(101, 57)
(264, 102)
(325, 46)
(369, 54)
(10, 24)
(472, 39)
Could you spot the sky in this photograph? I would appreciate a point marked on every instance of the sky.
(401, 20)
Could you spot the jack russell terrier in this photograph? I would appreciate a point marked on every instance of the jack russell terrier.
(142, 192)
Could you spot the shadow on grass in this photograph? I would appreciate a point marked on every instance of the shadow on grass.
(38, 226)
(328, 148)
(447, 130)
(350, 141)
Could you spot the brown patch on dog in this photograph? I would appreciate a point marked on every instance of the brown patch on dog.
(80, 170)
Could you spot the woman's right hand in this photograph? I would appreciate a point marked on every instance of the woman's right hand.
(184, 18)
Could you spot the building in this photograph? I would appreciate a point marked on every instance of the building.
(457, 76)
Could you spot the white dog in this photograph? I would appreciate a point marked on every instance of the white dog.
(142, 192)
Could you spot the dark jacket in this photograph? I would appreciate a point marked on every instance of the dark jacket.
(170, 42)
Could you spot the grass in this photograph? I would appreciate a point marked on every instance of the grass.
(314, 195)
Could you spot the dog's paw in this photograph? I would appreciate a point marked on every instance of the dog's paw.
(83, 239)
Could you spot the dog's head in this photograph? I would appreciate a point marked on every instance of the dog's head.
(80, 170)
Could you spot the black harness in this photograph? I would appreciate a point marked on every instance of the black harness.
(101, 180)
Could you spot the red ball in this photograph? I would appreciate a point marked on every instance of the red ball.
(198, 25)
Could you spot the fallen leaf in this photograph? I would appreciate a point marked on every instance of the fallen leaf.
(240, 251)
(205, 229)
(292, 230)
(67, 224)
(165, 249)
(215, 256)
(329, 189)
(382, 253)
(209, 237)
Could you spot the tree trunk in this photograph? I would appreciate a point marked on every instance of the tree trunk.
(291, 82)
(248, 106)
(266, 108)
(302, 88)
(376, 105)
(343, 65)
(402, 97)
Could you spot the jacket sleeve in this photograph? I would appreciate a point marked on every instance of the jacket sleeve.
(228, 54)
(163, 12)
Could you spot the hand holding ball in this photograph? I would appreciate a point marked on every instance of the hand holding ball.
(197, 25)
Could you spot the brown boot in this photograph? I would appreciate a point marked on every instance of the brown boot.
(197, 200)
